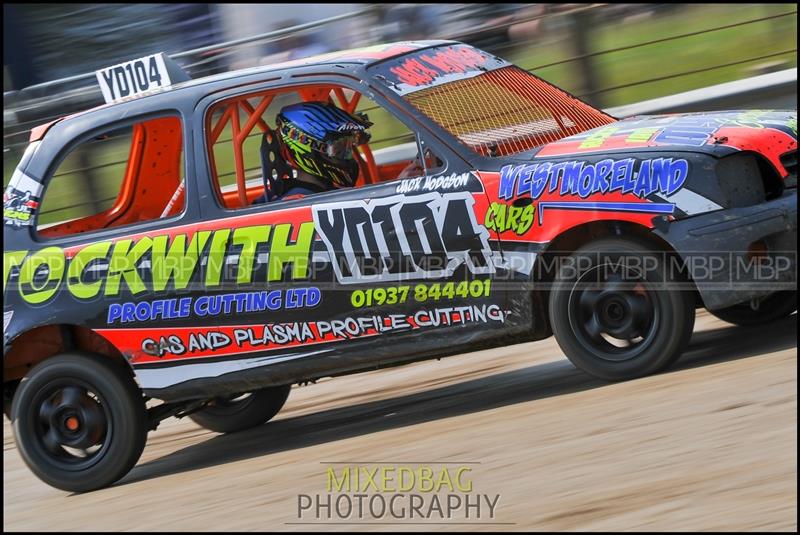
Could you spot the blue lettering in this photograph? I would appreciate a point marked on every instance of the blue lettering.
(586, 180)
(143, 311)
(257, 301)
(225, 302)
(572, 172)
(292, 300)
(602, 170)
(508, 178)
(314, 296)
(678, 172)
(660, 177)
(149, 311)
(127, 312)
(240, 303)
(628, 184)
(642, 187)
(618, 174)
(157, 308)
(114, 312)
(554, 172)
(213, 306)
(684, 135)
(524, 184)
(540, 179)
(201, 306)
(184, 306)
(274, 300)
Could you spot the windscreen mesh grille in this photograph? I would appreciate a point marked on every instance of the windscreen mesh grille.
(506, 111)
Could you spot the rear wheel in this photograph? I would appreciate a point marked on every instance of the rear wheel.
(760, 311)
(617, 313)
(80, 421)
(237, 413)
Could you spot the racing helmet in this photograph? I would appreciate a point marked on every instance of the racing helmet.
(319, 138)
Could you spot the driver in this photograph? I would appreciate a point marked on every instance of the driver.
(317, 140)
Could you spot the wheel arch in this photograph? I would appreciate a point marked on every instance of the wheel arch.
(40, 343)
(573, 238)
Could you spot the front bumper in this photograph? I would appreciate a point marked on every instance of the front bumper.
(739, 254)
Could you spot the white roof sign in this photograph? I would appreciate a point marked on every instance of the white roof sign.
(134, 78)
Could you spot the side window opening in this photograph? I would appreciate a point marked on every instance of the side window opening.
(395, 146)
(123, 176)
(237, 127)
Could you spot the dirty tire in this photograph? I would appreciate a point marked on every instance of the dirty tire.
(240, 413)
(771, 308)
(80, 421)
(624, 322)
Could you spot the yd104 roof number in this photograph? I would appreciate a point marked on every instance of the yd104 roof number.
(133, 78)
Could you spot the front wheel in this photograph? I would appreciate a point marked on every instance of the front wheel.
(616, 311)
(237, 413)
(760, 311)
(80, 421)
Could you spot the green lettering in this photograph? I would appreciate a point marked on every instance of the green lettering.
(598, 138)
(11, 260)
(281, 252)
(526, 219)
(641, 135)
(216, 257)
(488, 221)
(123, 266)
(36, 294)
(249, 238)
(83, 258)
(500, 217)
(333, 482)
(180, 262)
(513, 213)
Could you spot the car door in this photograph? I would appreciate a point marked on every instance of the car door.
(412, 247)
(330, 272)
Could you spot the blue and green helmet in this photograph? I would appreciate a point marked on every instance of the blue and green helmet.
(320, 138)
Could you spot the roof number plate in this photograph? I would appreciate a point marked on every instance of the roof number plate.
(133, 78)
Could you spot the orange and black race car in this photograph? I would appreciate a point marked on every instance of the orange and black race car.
(495, 209)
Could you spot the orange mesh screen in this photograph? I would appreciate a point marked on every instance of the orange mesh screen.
(506, 111)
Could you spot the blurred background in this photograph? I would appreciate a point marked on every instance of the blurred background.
(608, 54)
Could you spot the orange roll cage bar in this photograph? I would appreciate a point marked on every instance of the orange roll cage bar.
(237, 106)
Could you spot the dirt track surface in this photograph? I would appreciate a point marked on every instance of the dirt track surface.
(710, 445)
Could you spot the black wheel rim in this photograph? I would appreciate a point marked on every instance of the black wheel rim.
(70, 424)
(614, 312)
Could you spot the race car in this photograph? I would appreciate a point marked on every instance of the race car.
(498, 209)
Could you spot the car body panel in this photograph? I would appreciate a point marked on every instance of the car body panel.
(295, 275)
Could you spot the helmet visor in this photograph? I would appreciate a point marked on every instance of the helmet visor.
(341, 148)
